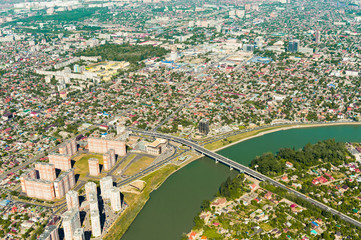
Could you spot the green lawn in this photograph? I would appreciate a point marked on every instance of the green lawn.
(81, 165)
(142, 163)
(266, 227)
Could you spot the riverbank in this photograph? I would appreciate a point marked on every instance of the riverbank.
(136, 202)
(232, 140)
(121, 226)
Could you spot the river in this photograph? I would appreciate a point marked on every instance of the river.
(171, 208)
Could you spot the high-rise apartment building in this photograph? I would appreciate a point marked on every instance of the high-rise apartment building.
(115, 199)
(94, 169)
(45, 189)
(106, 184)
(60, 161)
(248, 47)
(29, 174)
(93, 202)
(293, 46)
(46, 171)
(68, 148)
(72, 199)
(50, 233)
(71, 221)
(90, 187)
(38, 188)
(64, 183)
(100, 145)
(79, 234)
(95, 222)
(109, 160)
(203, 126)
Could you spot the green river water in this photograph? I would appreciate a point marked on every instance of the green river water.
(170, 210)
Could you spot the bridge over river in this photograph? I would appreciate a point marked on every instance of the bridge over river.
(237, 166)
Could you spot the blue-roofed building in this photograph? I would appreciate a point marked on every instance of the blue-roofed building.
(4, 203)
(315, 223)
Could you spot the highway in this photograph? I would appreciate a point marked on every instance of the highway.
(237, 166)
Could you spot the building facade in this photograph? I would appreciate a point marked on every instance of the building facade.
(64, 183)
(106, 184)
(95, 222)
(60, 161)
(50, 233)
(109, 159)
(293, 46)
(94, 169)
(46, 171)
(72, 199)
(115, 199)
(71, 222)
(38, 188)
(203, 126)
(93, 202)
(90, 187)
(79, 234)
(100, 145)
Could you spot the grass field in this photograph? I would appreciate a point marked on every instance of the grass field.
(266, 227)
(142, 163)
(137, 201)
(126, 161)
(235, 138)
(81, 165)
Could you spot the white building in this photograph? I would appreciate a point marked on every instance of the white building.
(115, 199)
(90, 187)
(71, 221)
(95, 221)
(93, 202)
(106, 184)
(50, 233)
(79, 234)
(72, 199)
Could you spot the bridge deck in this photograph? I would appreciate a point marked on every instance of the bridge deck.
(248, 171)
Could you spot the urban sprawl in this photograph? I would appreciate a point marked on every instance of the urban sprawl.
(96, 95)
